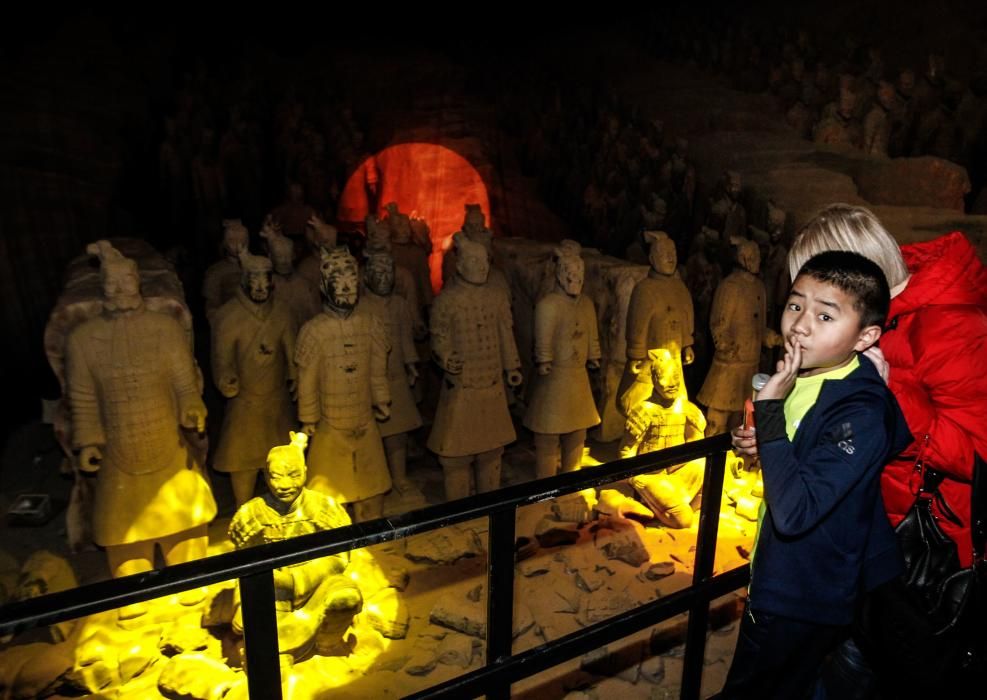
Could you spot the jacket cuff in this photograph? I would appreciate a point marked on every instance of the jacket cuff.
(770, 417)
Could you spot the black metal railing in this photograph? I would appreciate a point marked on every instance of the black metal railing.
(253, 567)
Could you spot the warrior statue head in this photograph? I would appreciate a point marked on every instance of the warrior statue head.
(472, 259)
(748, 254)
(255, 276)
(340, 279)
(286, 472)
(378, 273)
(119, 276)
(570, 271)
(235, 238)
(661, 252)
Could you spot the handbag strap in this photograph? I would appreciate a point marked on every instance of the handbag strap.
(978, 508)
(932, 478)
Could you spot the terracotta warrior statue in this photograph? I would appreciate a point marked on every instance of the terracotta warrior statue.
(222, 278)
(379, 234)
(343, 391)
(737, 322)
(304, 592)
(660, 315)
(561, 406)
(473, 343)
(133, 385)
(253, 349)
(408, 254)
(379, 298)
(665, 419)
(293, 290)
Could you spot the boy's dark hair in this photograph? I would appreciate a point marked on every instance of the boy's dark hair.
(856, 276)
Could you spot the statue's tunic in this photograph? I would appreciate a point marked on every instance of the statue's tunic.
(474, 321)
(737, 323)
(257, 522)
(342, 372)
(566, 335)
(130, 378)
(394, 315)
(652, 427)
(255, 343)
(660, 315)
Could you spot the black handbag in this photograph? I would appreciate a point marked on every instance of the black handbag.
(926, 630)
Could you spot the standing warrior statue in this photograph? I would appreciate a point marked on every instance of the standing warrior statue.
(392, 310)
(293, 290)
(342, 387)
(132, 384)
(738, 324)
(473, 342)
(660, 315)
(221, 279)
(566, 343)
(253, 347)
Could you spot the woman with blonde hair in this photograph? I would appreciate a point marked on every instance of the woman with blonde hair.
(933, 354)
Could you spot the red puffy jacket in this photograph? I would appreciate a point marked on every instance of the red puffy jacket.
(936, 345)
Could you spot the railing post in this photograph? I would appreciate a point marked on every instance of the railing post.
(500, 593)
(260, 636)
(709, 521)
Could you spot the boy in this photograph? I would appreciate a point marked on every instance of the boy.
(826, 425)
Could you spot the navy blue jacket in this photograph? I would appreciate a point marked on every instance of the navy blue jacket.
(826, 537)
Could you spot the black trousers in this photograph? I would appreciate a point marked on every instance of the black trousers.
(778, 657)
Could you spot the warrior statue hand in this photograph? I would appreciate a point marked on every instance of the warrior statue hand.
(454, 363)
(90, 458)
(195, 418)
(635, 366)
(293, 389)
(514, 377)
(229, 387)
(382, 411)
(688, 356)
(308, 429)
(544, 368)
(412, 372)
(592, 364)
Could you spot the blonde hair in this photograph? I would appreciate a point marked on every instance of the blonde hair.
(850, 228)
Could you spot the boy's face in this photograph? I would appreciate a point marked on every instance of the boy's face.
(820, 317)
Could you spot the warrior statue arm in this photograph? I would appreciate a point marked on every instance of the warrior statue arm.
(405, 332)
(184, 377)
(545, 319)
(443, 350)
(508, 348)
(87, 424)
(380, 387)
(639, 311)
(224, 350)
(307, 371)
(288, 345)
(594, 354)
(638, 422)
(721, 317)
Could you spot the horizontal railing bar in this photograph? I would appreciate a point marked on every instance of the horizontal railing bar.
(108, 595)
(532, 661)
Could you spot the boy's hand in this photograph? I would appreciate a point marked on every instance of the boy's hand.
(787, 370)
(744, 441)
